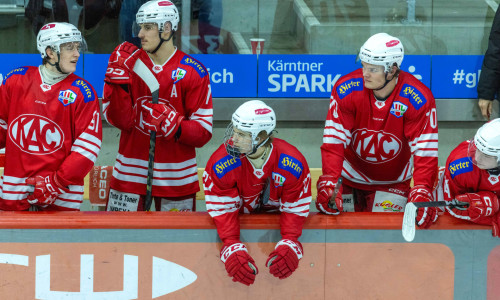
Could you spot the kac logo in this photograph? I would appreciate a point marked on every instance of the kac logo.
(35, 134)
(375, 146)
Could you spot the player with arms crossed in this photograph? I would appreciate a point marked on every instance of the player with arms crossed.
(50, 126)
(182, 119)
(381, 127)
(254, 172)
(472, 176)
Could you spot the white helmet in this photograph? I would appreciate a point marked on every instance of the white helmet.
(54, 34)
(159, 12)
(383, 50)
(487, 140)
(253, 116)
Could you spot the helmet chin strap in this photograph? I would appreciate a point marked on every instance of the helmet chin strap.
(257, 147)
(386, 82)
(161, 41)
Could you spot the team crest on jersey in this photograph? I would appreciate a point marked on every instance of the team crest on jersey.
(291, 164)
(197, 66)
(157, 69)
(355, 84)
(36, 134)
(416, 98)
(67, 97)
(375, 146)
(20, 71)
(493, 179)
(178, 74)
(278, 179)
(45, 87)
(460, 166)
(87, 92)
(226, 164)
(398, 109)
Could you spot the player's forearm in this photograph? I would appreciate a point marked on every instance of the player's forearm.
(425, 171)
(332, 156)
(117, 107)
(193, 134)
(291, 226)
(228, 227)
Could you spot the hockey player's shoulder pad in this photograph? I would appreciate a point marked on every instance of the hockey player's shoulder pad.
(225, 165)
(291, 164)
(348, 86)
(17, 71)
(85, 88)
(414, 95)
(460, 166)
(195, 65)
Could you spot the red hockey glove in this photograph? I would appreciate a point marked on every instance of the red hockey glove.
(425, 215)
(482, 206)
(161, 118)
(46, 190)
(239, 264)
(325, 186)
(121, 62)
(285, 258)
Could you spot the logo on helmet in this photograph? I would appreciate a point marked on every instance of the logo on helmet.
(165, 3)
(48, 26)
(392, 43)
(35, 134)
(262, 111)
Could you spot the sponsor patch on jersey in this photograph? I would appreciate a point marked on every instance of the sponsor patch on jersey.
(389, 206)
(278, 179)
(189, 61)
(67, 97)
(226, 164)
(20, 71)
(291, 164)
(398, 109)
(355, 84)
(87, 92)
(178, 74)
(460, 166)
(416, 98)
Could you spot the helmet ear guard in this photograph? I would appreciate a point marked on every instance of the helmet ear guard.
(383, 50)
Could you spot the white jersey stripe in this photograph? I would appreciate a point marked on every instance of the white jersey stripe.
(84, 152)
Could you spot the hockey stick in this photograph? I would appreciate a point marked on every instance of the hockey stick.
(408, 228)
(142, 71)
(331, 203)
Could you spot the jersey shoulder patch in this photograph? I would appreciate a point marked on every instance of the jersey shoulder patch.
(415, 97)
(290, 164)
(196, 65)
(85, 89)
(225, 165)
(348, 86)
(460, 166)
(18, 71)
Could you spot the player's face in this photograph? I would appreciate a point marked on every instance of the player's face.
(70, 52)
(484, 161)
(149, 36)
(373, 75)
(242, 140)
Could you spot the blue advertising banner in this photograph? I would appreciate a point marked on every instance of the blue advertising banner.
(313, 76)
(455, 76)
(95, 66)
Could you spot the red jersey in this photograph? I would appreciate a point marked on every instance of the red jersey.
(234, 185)
(462, 176)
(184, 85)
(49, 128)
(371, 143)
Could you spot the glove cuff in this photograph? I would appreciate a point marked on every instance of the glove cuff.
(228, 250)
(295, 246)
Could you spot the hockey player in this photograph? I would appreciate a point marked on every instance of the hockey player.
(472, 175)
(380, 130)
(51, 126)
(254, 172)
(182, 120)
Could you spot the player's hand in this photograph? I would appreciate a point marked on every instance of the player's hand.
(239, 264)
(121, 63)
(486, 106)
(160, 118)
(46, 190)
(325, 186)
(483, 206)
(425, 215)
(285, 258)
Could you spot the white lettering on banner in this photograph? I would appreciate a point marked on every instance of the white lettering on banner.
(102, 183)
(280, 66)
(471, 79)
(218, 77)
(302, 82)
(167, 278)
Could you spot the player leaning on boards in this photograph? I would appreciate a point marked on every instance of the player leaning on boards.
(472, 176)
(182, 119)
(380, 127)
(255, 172)
(49, 125)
